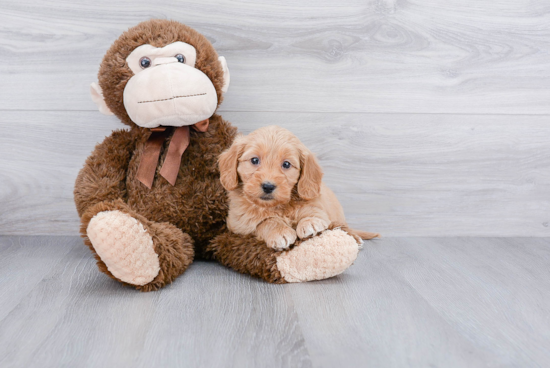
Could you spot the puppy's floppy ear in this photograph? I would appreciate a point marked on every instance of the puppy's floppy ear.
(228, 163)
(309, 185)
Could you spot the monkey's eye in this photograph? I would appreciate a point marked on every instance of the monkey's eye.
(255, 160)
(145, 62)
(286, 165)
(181, 58)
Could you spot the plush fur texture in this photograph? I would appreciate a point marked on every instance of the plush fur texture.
(183, 221)
(246, 254)
(296, 205)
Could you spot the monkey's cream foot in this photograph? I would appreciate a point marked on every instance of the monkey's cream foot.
(326, 255)
(310, 226)
(124, 246)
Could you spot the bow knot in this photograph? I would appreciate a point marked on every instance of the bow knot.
(178, 145)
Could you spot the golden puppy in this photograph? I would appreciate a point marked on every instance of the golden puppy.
(275, 189)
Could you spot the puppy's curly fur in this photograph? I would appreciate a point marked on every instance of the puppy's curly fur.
(276, 190)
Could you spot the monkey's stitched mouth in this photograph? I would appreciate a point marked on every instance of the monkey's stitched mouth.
(173, 98)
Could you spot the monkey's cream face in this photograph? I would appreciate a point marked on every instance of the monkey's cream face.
(166, 88)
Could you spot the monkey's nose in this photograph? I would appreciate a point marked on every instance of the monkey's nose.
(268, 187)
(164, 60)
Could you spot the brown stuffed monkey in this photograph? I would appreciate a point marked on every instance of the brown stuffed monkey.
(150, 198)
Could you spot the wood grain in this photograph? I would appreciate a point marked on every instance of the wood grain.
(464, 302)
(494, 279)
(371, 316)
(398, 174)
(210, 317)
(17, 279)
(452, 302)
(421, 56)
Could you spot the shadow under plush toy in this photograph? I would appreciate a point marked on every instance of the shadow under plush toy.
(150, 198)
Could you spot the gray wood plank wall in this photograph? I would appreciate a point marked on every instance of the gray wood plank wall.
(431, 118)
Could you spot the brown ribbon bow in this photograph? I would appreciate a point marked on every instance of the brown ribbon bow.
(170, 167)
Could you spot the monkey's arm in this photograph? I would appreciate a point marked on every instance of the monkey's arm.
(246, 254)
(103, 177)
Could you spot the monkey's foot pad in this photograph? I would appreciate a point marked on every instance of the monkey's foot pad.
(124, 246)
(318, 258)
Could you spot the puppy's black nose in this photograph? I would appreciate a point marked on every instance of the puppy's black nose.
(268, 187)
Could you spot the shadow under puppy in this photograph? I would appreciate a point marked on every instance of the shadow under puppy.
(276, 190)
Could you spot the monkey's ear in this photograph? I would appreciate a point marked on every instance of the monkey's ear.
(97, 97)
(225, 74)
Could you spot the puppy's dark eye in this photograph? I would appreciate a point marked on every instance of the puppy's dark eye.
(286, 165)
(255, 160)
(181, 58)
(145, 62)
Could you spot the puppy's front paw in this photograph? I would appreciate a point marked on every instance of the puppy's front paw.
(282, 239)
(310, 226)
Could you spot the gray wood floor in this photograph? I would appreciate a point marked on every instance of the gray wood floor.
(418, 302)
